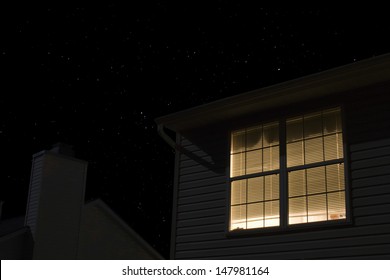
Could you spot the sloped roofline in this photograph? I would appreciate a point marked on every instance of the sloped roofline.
(102, 205)
(359, 74)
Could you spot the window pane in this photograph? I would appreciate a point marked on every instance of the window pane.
(333, 146)
(255, 189)
(238, 217)
(255, 215)
(317, 208)
(247, 149)
(294, 129)
(297, 210)
(272, 213)
(271, 158)
(314, 151)
(330, 144)
(296, 183)
(253, 138)
(237, 164)
(332, 121)
(335, 177)
(316, 180)
(238, 141)
(295, 154)
(336, 205)
(271, 134)
(238, 192)
(340, 146)
(312, 125)
(253, 161)
(271, 187)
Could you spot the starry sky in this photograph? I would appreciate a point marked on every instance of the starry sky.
(96, 78)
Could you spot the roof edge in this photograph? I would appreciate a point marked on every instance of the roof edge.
(100, 203)
(357, 74)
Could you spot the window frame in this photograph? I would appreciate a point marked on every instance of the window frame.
(283, 176)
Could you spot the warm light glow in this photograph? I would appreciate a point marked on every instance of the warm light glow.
(256, 222)
(315, 172)
(317, 193)
(315, 217)
(254, 150)
(255, 202)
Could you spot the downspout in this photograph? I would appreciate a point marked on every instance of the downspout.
(175, 146)
(167, 139)
(178, 148)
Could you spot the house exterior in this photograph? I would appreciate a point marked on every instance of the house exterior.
(104, 235)
(16, 242)
(297, 170)
(59, 225)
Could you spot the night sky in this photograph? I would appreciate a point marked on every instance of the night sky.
(96, 78)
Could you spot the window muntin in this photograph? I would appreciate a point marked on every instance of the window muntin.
(313, 172)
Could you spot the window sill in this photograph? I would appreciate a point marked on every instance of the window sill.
(309, 227)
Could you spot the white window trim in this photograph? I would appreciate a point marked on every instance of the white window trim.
(283, 171)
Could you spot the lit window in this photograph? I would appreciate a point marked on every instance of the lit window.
(316, 190)
(255, 199)
(311, 179)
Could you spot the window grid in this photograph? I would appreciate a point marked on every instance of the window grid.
(313, 200)
(244, 159)
(269, 196)
(324, 162)
(263, 138)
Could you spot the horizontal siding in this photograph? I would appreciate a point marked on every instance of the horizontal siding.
(203, 190)
(219, 195)
(294, 247)
(187, 162)
(34, 193)
(372, 190)
(371, 172)
(202, 212)
(372, 145)
(323, 253)
(204, 175)
(370, 176)
(371, 181)
(370, 210)
(374, 219)
(372, 162)
(219, 227)
(198, 169)
(204, 237)
(199, 221)
(370, 153)
(202, 205)
(203, 182)
(189, 243)
(365, 257)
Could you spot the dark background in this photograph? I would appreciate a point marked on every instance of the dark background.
(96, 78)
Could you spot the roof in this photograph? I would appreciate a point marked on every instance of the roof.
(134, 235)
(359, 74)
(11, 225)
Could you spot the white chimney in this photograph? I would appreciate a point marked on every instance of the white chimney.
(55, 202)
